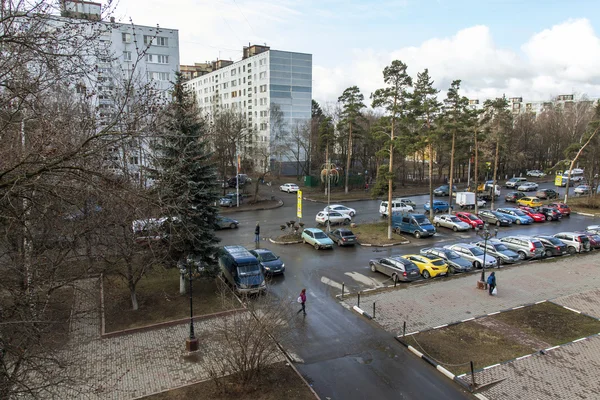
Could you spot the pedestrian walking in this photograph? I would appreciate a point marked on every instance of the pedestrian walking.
(302, 300)
(491, 281)
(257, 233)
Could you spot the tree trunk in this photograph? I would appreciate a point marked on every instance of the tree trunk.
(475, 172)
(181, 284)
(391, 180)
(327, 167)
(134, 302)
(575, 160)
(430, 181)
(349, 156)
(495, 172)
(451, 178)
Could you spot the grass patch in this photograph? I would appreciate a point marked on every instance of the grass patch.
(158, 299)
(455, 346)
(375, 233)
(550, 323)
(585, 204)
(276, 382)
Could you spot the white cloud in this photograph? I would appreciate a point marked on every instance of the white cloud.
(560, 60)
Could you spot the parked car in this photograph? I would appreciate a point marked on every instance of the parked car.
(429, 266)
(529, 201)
(451, 222)
(316, 238)
(503, 254)
(576, 242)
(467, 200)
(519, 216)
(229, 200)
(242, 179)
(332, 217)
(564, 209)
(415, 224)
(224, 222)
(443, 190)
(536, 173)
(474, 254)
(439, 206)
(551, 214)
(495, 218)
(582, 190)
(289, 187)
(455, 262)
(397, 207)
(473, 220)
(241, 270)
(553, 246)
(398, 268)
(533, 214)
(514, 182)
(528, 187)
(548, 194)
(512, 197)
(343, 237)
(594, 239)
(406, 202)
(270, 263)
(525, 246)
(593, 228)
(341, 209)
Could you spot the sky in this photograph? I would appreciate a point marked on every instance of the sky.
(535, 49)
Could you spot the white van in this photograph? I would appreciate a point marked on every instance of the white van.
(397, 207)
(515, 182)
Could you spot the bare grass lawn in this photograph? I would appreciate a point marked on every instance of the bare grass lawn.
(585, 204)
(375, 233)
(158, 299)
(275, 382)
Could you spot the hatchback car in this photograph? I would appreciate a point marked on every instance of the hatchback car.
(536, 173)
(289, 187)
(439, 206)
(582, 190)
(269, 262)
(224, 222)
(341, 209)
(503, 254)
(525, 246)
(593, 228)
(553, 246)
(533, 214)
(398, 268)
(443, 190)
(332, 217)
(551, 214)
(594, 239)
(451, 222)
(564, 209)
(529, 201)
(528, 187)
(495, 218)
(429, 266)
(474, 254)
(455, 262)
(343, 237)
(316, 238)
(229, 200)
(576, 242)
(514, 182)
(471, 219)
(512, 197)
(547, 194)
(520, 218)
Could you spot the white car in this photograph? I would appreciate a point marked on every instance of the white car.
(582, 189)
(397, 207)
(289, 187)
(528, 187)
(450, 221)
(333, 217)
(474, 254)
(341, 209)
(536, 172)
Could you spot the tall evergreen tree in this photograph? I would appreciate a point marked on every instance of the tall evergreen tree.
(187, 185)
(352, 104)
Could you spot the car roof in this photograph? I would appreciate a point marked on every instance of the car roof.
(313, 230)
(258, 251)
(344, 230)
(465, 245)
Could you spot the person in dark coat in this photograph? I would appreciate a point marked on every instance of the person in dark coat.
(491, 281)
(257, 233)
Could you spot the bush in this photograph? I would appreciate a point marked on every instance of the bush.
(381, 183)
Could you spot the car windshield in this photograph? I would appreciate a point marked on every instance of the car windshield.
(268, 256)
(454, 219)
(421, 220)
(249, 269)
(500, 247)
(554, 241)
(320, 235)
(519, 213)
(346, 233)
(476, 251)
(472, 217)
(410, 266)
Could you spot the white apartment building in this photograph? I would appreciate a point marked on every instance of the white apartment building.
(264, 80)
(517, 106)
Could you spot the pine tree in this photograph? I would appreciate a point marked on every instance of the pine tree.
(352, 103)
(187, 184)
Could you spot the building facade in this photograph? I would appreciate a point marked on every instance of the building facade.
(517, 106)
(272, 91)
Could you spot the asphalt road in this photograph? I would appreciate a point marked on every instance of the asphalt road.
(341, 354)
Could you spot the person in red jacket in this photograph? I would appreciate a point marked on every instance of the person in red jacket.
(302, 300)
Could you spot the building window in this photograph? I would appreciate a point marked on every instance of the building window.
(133, 160)
(226, 96)
(263, 88)
(233, 72)
(126, 37)
(263, 126)
(263, 101)
(263, 75)
(157, 59)
(158, 76)
(156, 41)
(126, 56)
(233, 94)
(233, 83)
(225, 85)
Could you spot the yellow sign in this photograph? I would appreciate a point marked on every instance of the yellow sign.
(299, 207)
(558, 180)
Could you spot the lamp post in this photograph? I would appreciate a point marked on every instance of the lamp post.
(191, 343)
(485, 234)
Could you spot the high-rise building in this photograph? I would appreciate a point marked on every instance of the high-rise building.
(272, 90)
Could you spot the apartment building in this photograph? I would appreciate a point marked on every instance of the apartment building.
(517, 106)
(271, 89)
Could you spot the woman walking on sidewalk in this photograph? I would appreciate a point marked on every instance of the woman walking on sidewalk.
(302, 300)
(491, 281)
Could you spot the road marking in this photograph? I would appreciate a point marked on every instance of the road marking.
(440, 326)
(552, 348)
(491, 366)
(331, 283)
(365, 280)
(516, 308)
(468, 319)
(579, 340)
(570, 309)
(523, 357)
(494, 313)
(540, 302)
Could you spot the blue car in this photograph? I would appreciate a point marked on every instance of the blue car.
(439, 206)
(270, 263)
(316, 238)
(518, 216)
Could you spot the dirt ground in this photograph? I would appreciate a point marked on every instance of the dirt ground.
(375, 234)
(276, 382)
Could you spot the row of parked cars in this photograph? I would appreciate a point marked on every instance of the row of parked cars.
(465, 257)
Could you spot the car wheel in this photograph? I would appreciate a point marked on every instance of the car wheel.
(548, 253)
(316, 245)
(571, 250)
(352, 214)
(304, 241)
(417, 234)
(476, 264)
(521, 255)
(346, 221)
(451, 270)
(455, 229)
(373, 267)
(548, 218)
(426, 274)
(518, 222)
(437, 224)
(497, 223)
(232, 226)
(500, 261)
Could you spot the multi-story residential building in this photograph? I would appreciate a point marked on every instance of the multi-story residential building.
(196, 70)
(517, 106)
(272, 90)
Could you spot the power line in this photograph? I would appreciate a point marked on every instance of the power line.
(240, 10)
(231, 29)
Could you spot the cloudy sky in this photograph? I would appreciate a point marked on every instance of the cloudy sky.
(534, 49)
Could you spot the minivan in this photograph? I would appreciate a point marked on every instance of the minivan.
(526, 247)
(241, 270)
(415, 224)
(397, 207)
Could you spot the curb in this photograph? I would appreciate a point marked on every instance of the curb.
(235, 210)
(361, 312)
(585, 214)
(384, 245)
(284, 243)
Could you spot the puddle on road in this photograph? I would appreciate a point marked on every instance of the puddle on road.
(365, 280)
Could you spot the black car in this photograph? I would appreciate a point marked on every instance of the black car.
(493, 217)
(343, 237)
(551, 214)
(443, 190)
(512, 197)
(546, 194)
(552, 245)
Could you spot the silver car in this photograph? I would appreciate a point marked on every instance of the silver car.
(455, 262)
(450, 221)
(474, 254)
(525, 246)
(503, 254)
(528, 187)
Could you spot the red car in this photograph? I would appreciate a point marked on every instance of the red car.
(536, 216)
(562, 207)
(594, 239)
(470, 219)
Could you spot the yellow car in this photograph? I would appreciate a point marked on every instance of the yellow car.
(529, 201)
(429, 266)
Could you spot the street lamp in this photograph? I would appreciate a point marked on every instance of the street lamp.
(187, 267)
(486, 235)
